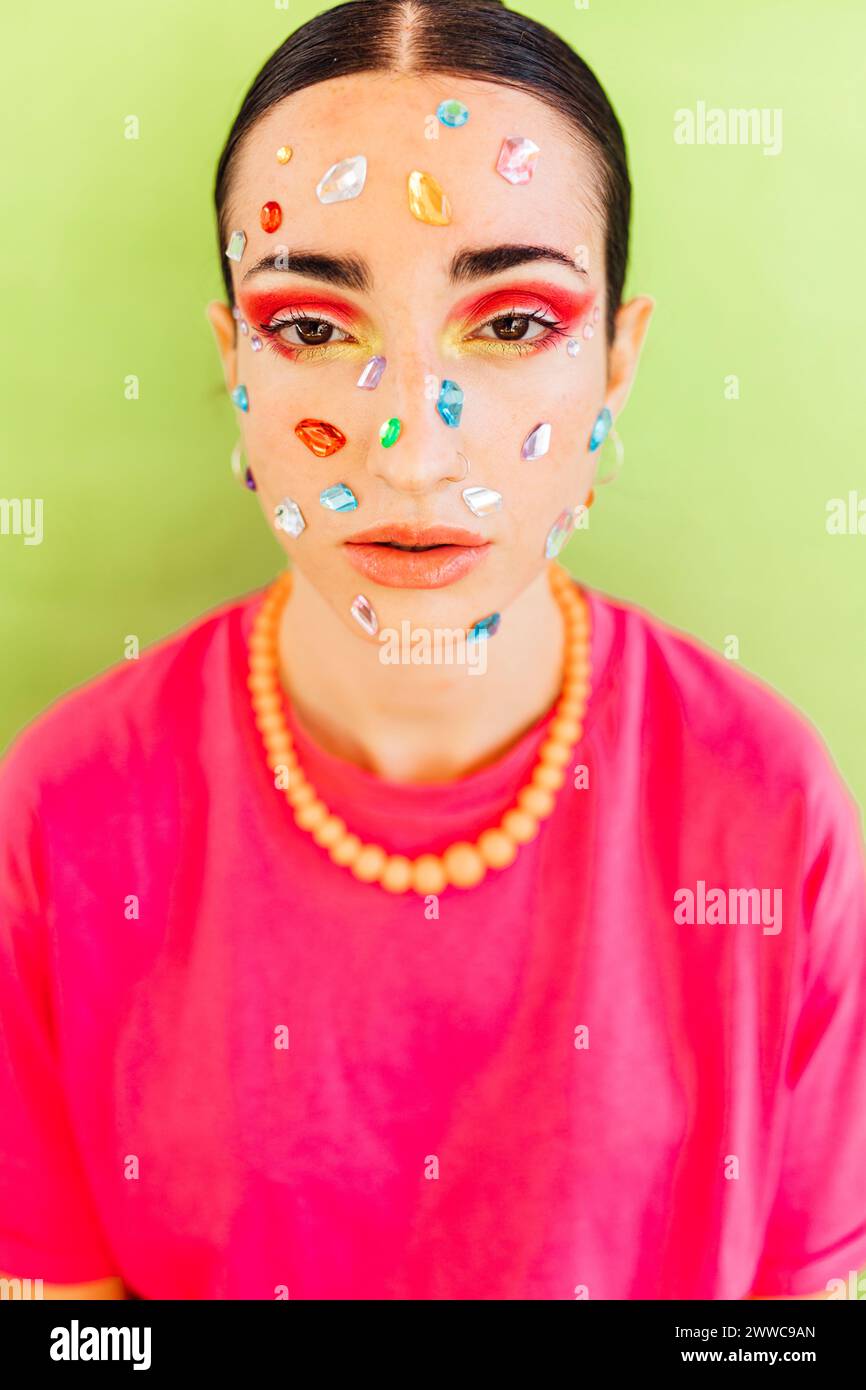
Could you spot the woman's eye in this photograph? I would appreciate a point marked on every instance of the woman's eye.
(308, 332)
(512, 328)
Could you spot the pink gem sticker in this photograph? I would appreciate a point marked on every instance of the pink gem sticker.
(517, 157)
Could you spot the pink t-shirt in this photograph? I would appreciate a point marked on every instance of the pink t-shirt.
(230, 1070)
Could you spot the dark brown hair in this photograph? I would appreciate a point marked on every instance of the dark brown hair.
(460, 38)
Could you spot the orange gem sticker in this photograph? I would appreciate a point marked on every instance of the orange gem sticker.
(271, 217)
(320, 438)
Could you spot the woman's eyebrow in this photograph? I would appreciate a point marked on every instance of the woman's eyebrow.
(474, 265)
(353, 273)
(349, 271)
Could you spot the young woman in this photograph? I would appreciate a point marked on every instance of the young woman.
(428, 926)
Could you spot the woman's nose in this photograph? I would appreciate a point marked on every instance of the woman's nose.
(417, 447)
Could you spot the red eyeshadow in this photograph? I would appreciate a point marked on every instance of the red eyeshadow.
(567, 305)
(261, 308)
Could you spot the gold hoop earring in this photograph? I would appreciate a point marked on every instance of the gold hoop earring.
(619, 451)
(243, 476)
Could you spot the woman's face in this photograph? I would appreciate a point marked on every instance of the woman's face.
(488, 301)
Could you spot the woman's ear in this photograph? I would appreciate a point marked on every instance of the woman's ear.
(223, 325)
(632, 322)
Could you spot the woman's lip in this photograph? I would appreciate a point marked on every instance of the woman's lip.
(406, 533)
(416, 569)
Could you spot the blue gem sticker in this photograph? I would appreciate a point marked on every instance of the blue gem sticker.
(452, 113)
(338, 498)
(450, 403)
(485, 627)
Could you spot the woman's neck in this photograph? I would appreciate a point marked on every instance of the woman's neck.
(425, 722)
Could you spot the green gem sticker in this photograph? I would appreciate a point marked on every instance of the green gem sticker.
(389, 433)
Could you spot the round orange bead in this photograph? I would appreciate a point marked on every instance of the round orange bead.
(536, 801)
(268, 702)
(368, 865)
(567, 730)
(464, 865)
(520, 826)
(550, 778)
(329, 831)
(262, 683)
(571, 707)
(346, 849)
(262, 663)
(577, 657)
(396, 877)
(270, 722)
(299, 791)
(281, 755)
(310, 814)
(497, 849)
(554, 753)
(428, 874)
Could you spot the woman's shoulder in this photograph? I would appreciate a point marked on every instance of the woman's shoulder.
(133, 706)
(689, 703)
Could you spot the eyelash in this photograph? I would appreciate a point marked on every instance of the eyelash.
(300, 352)
(556, 329)
(304, 351)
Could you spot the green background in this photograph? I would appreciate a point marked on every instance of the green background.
(717, 523)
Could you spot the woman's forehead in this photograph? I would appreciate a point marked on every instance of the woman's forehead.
(392, 122)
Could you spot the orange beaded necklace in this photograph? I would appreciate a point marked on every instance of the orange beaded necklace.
(462, 865)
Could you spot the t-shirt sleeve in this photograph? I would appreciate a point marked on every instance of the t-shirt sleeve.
(817, 1227)
(49, 1228)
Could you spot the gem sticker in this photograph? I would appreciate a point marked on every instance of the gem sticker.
(372, 373)
(482, 501)
(321, 438)
(452, 113)
(517, 158)
(485, 627)
(288, 517)
(536, 443)
(600, 429)
(343, 180)
(338, 498)
(427, 201)
(389, 432)
(450, 403)
(235, 248)
(271, 216)
(559, 533)
(364, 614)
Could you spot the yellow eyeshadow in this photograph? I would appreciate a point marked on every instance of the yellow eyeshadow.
(458, 343)
(305, 352)
(485, 346)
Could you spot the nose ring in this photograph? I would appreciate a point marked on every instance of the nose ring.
(464, 474)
